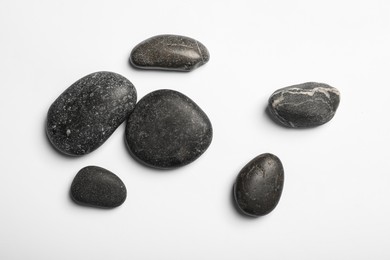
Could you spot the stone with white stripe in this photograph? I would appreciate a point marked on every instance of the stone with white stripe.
(305, 105)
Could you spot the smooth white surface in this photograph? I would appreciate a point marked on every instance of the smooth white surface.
(335, 203)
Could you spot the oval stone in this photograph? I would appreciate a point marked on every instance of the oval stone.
(169, 52)
(259, 185)
(304, 105)
(85, 115)
(97, 187)
(167, 130)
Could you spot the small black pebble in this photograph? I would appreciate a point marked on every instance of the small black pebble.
(97, 187)
(167, 130)
(84, 116)
(259, 185)
(169, 52)
(304, 105)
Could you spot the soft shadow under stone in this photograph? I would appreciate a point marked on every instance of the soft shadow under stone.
(167, 130)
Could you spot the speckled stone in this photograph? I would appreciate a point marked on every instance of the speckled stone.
(169, 52)
(97, 187)
(259, 185)
(83, 117)
(304, 105)
(167, 130)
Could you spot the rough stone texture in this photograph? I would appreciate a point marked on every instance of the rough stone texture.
(304, 105)
(259, 185)
(88, 112)
(169, 52)
(98, 187)
(167, 130)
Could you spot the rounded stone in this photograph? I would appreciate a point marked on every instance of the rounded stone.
(85, 115)
(259, 185)
(169, 52)
(304, 105)
(167, 130)
(97, 187)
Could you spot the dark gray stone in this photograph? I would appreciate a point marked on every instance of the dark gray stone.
(259, 185)
(97, 187)
(304, 105)
(169, 52)
(83, 117)
(167, 130)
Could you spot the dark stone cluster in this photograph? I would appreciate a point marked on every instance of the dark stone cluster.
(166, 129)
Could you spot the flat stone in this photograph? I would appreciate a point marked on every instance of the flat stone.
(85, 115)
(304, 105)
(97, 187)
(167, 130)
(169, 52)
(259, 185)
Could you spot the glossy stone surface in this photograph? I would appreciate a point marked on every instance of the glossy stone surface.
(97, 187)
(85, 115)
(304, 105)
(169, 52)
(167, 130)
(259, 185)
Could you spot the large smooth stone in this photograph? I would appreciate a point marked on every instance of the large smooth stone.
(304, 105)
(169, 52)
(259, 185)
(167, 130)
(98, 187)
(83, 117)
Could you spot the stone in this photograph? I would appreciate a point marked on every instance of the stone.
(169, 52)
(305, 105)
(97, 187)
(167, 130)
(259, 185)
(85, 115)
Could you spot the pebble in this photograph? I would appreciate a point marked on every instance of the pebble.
(97, 187)
(169, 52)
(167, 130)
(259, 185)
(84, 116)
(304, 105)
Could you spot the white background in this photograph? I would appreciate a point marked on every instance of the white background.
(335, 203)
